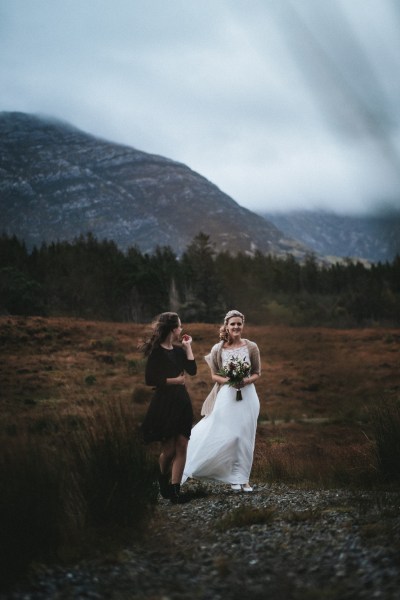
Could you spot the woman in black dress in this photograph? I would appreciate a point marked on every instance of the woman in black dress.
(170, 415)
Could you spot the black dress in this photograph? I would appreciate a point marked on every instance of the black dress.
(170, 411)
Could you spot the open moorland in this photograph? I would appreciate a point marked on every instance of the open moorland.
(322, 523)
(317, 389)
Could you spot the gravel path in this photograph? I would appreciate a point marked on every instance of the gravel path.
(310, 545)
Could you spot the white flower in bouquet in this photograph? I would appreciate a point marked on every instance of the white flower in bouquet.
(236, 369)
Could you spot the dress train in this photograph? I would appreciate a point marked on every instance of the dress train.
(221, 445)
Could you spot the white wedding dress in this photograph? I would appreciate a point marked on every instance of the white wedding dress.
(221, 445)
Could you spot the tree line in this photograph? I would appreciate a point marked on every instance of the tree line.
(94, 279)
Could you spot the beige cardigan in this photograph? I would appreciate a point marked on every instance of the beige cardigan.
(214, 361)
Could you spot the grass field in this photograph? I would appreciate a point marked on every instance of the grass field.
(317, 389)
(75, 478)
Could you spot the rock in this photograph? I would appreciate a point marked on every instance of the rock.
(185, 556)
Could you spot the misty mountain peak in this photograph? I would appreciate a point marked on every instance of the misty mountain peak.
(58, 182)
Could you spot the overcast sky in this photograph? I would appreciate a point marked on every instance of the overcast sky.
(282, 104)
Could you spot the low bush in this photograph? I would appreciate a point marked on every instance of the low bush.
(141, 394)
(136, 366)
(116, 477)
(244, 516)
(73, 490)
(313, 464)
(31, 505)
(385, 421)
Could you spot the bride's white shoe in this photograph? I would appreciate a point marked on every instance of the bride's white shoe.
(247, 488)
(236, 487)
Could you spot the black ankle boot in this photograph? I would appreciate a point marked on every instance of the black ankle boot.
(165, 488)
(175, 494)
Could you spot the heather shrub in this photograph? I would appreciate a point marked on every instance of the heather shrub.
(32, 514)
(313, 464)
(71, 490)
(136, 366)
(245, 516)
(141, 394)
(115, 475)
(385, 422)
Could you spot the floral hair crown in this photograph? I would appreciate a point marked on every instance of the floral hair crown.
(233, 313)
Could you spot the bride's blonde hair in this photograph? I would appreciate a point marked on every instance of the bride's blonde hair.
(223, 330)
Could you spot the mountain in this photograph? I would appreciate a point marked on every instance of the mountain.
(375, 238)
(57, 182)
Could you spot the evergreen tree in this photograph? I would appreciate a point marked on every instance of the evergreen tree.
(202, 286)
(19, 294)
(95, 279)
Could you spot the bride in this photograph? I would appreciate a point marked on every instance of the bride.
(221, 444)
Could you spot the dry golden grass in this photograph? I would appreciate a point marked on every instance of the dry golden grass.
(315, 391)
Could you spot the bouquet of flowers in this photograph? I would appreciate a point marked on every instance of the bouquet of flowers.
(236, 369)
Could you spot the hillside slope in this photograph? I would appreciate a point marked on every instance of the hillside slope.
(371, 237)
(58, 182)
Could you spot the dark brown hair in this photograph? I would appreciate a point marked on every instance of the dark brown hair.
(162, 325)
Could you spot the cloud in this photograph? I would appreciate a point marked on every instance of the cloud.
(286, 105)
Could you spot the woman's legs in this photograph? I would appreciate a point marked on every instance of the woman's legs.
(172, 460)
(167, 456)
(165, 461)
(178, 465)
(181, 444)
(173, 457)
